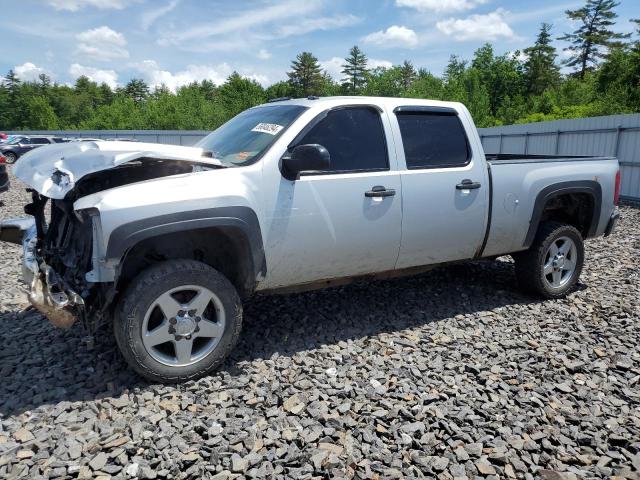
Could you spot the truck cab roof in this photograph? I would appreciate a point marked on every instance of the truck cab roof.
(386, 102)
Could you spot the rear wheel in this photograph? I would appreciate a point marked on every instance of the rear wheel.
(178, 321)
(10, 157)
(552, 266)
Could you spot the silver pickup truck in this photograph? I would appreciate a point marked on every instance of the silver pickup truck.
(164, 241)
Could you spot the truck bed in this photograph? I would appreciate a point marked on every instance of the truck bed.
(515, 182)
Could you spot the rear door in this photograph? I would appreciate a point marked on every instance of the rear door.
(343, 221)
(444, 187)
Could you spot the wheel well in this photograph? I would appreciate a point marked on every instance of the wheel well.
(575, 209)
(226, 249)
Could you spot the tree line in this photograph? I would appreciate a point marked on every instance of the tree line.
(515, 87)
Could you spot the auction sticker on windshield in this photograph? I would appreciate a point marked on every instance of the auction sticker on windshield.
(270, 128)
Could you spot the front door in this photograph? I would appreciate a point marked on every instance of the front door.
(343, 221)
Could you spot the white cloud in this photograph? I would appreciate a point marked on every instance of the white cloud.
(149, 17)
(314, 24)
(102, 44)
(264, 54)
(394, 36)
(155, 76)
(477, 27)
(333, 67)
(518, 55)
(568, 53)
(75, 5)
(249, 30)
(261, 79)
(247, 21)
(440, 5)
(95, 74)
(375, 63)
(28, 72)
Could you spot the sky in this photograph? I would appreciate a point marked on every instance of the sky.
(178, 41)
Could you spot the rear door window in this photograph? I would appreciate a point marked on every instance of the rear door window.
(354, 137)
(40, 140)
(433, 140)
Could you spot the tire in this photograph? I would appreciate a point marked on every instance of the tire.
(562, 269)
(10, 157)
(164, 340)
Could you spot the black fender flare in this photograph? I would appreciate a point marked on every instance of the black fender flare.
(590, 187)
(124, 237)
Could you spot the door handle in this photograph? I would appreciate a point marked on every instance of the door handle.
(380, 191)
(467, 184)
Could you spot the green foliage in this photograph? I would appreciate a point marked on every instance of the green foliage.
(497, 89)
(594, 34)
(137, 90)
(238, 94)
(384, 82)
(306, 76)
(355, 69)
(39, 114)
(279, 90)
(540, 69)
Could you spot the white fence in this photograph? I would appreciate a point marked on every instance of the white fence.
(169, 137)
(617, 135)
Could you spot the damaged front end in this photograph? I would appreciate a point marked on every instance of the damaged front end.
(55, 257)
(62, 246)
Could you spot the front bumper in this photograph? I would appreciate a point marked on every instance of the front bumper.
(613, 220)
(45, 291)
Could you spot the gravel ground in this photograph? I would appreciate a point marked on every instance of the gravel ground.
(453, 374)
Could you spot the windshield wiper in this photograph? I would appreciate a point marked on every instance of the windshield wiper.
(212, 155)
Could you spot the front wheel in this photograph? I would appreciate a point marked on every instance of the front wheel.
(552, 266)
(177, 321)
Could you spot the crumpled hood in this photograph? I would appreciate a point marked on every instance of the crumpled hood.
(53, 170)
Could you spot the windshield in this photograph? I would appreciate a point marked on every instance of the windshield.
(244, 138)
(14, 140)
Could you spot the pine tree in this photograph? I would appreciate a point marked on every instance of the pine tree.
(407, 74)
(137, 90)
(596, 18)
(12, 83)
(355, 69)
(14, 110)
(208, 88)
(106, 94)
(305, 76)
(540, 69)
(455, 68)
(44, 83)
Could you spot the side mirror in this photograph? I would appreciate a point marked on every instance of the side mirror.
(305, 158)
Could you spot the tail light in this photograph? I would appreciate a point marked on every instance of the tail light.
(616, 191)
(2, 159)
